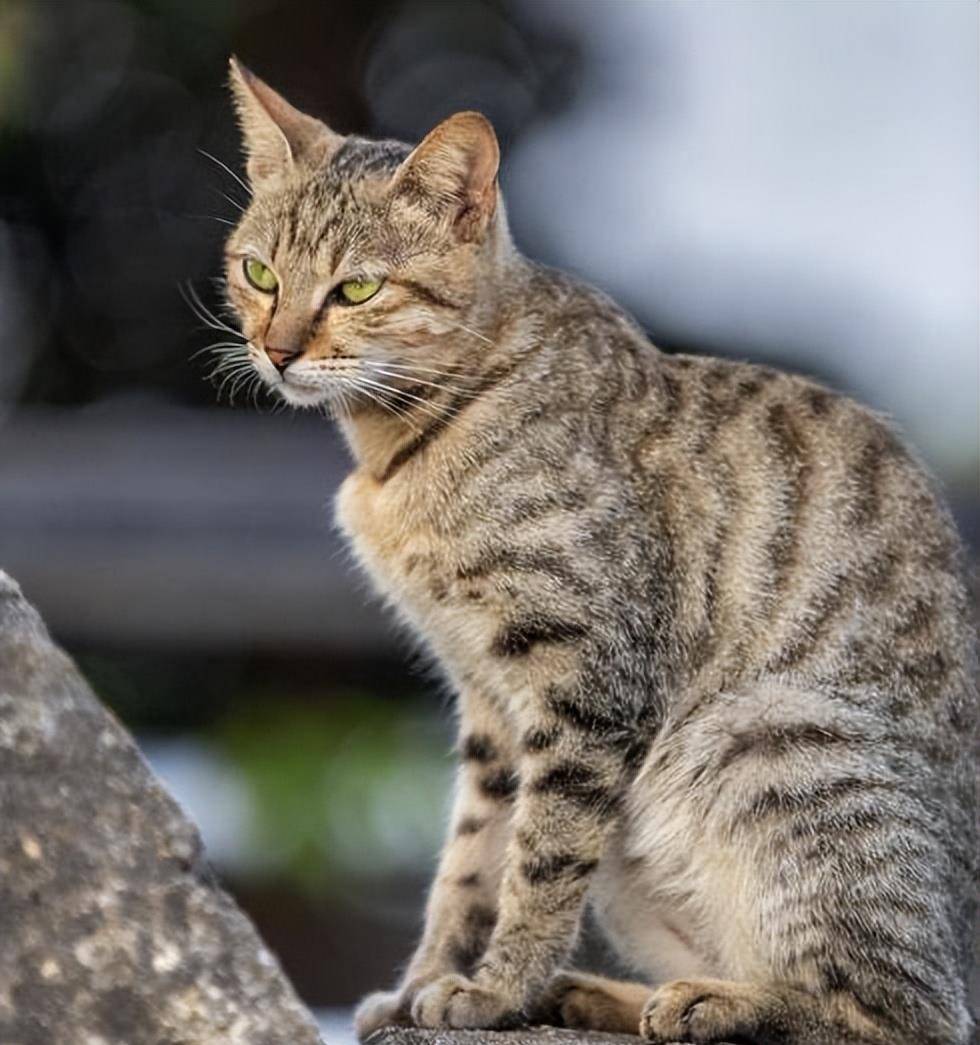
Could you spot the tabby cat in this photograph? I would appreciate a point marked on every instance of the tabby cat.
(705, 620)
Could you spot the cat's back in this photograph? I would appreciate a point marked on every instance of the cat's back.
(806, 537)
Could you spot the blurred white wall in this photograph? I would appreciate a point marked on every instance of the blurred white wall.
(796, 180)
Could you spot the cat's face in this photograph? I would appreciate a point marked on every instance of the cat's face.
(357, 267)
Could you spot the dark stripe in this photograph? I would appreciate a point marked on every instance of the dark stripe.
(456, 405)
(478, 924)
(830, 604)
(499, 786)
(543, 869)
(470, 825)
(480, 918)
(430, 295)
(585, 719)
(550, 562)
(478, 747)
(577, 783)
(789, 451)
(819, 401)
(917, 618)
(866, 475)
(536, 740)
(769, 741)
(774, 800)
(525, 508)
(518, 637)
(469, 881)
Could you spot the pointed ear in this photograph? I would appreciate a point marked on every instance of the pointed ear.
(453, 172)
(277, 137)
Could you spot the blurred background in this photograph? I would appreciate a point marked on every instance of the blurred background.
(793, 183)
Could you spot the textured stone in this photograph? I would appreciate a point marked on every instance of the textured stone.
(112, 928)
(527, 1036)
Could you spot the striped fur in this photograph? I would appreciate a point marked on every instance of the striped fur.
(706, 621)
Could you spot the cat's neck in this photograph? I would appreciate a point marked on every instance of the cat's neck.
(382, 437)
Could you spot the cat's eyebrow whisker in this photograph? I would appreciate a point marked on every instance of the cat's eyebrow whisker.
(210, 217)
(224, 166)
(475, 333)
(237, 204)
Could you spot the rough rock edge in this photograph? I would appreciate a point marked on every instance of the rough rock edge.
(112, 927)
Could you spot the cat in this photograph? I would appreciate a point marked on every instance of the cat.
(705, 620)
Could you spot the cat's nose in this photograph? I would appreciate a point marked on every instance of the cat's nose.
(281, 357)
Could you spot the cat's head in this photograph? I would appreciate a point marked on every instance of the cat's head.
(361, 266)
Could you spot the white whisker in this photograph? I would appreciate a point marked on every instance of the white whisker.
(226, 168)
(203, 313)
(451, 389)
(468, 330)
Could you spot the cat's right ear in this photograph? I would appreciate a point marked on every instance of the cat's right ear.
(277, 136)
(453, 173)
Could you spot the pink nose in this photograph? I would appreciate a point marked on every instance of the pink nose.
(281, 357)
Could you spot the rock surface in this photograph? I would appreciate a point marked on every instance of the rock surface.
(112, 929)
(527, 1036)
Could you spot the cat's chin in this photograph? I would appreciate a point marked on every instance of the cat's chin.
(301, 396)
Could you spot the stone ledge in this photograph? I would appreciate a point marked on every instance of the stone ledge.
(524, 1036)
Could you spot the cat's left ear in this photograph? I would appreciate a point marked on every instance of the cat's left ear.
(277, 136)
(453, 173)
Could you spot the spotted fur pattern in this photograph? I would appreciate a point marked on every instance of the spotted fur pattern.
(706, 622)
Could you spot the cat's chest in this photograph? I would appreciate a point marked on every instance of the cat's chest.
(414, 562)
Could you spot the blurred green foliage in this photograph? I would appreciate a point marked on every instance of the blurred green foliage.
(344, 792)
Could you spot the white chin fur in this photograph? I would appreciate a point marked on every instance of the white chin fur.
(300, 395)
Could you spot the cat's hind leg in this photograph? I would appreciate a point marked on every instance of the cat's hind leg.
(583, 1001)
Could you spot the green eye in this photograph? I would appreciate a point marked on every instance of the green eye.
(354, 291)
(260, 276)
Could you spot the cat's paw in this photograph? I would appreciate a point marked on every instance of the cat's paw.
(381, 1009)
(576, 1000)
(457, 1002)
(699, 1011)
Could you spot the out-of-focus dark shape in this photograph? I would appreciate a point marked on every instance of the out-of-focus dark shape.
(433, 59)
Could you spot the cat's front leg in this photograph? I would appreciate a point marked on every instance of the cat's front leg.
(462, 906)
(572, 781)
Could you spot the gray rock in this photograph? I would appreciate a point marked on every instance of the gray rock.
(527, 1036)
(112, 928)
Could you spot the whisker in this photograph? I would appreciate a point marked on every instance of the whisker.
(237, 204)
(203, 313)
(414, 367)
(463, 392)
(423, 404)
(468, 330)
(227, 169)
(377, 396)
(219, 348)
(210, 217)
